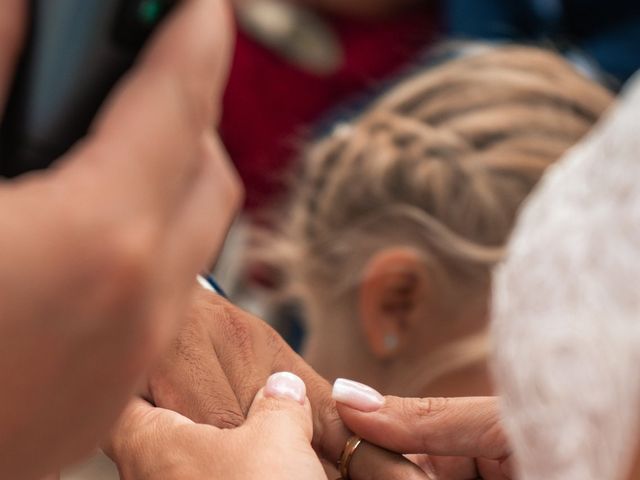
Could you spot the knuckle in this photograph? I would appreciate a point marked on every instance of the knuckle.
(128, 257)
(241, 332)
(207, 315)
(423, 408)
(422, 411)
(190, 345)
(213, 408)
(225, 418)
(238, 332)
(274, 342)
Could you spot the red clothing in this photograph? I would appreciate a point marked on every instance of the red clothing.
(269, 101)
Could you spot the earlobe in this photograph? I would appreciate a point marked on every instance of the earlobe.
(392, 297)
(391, 342)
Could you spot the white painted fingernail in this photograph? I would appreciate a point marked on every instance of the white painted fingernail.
(357, 395)
(286, 385)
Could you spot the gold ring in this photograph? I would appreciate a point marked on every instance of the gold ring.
(347, 454)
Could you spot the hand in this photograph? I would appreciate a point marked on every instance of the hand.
(455, 438)
(99, 254)
(378, 9)
(275, 442)
(222, 358)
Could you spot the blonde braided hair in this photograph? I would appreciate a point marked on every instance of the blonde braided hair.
(441, 163)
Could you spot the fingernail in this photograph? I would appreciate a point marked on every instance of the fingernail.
(286, 385)
(357, 395)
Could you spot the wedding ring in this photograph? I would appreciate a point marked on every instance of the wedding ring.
(347, 454)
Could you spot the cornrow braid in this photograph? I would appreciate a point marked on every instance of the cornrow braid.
(441, 163)
(317, 181)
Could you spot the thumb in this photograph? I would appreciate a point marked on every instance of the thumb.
(280, 426)
(140, 426)
(282, 408)
(466, 427)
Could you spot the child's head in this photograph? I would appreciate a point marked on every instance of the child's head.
(401, 215)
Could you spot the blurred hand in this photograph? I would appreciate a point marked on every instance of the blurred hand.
(451, 438)
(98, 255)
(378, 9)
(222, 358)
(275, 441)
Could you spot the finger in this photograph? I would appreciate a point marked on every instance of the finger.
(282, 409)
(468, 427)
(279, 425)
(137, 422)
(369, 462)
(450, 468)
(245, 347)
(200, 228)
(490, 470)
(249, 351)
(12, 26)
(372, 462)
(458, 468)
(190, 380)
(149, 137)
(193, 241)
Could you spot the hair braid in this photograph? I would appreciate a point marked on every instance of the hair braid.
(442, 163)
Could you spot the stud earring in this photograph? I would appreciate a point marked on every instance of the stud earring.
(390, 342)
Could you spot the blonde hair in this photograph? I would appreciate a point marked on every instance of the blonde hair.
(440, 163)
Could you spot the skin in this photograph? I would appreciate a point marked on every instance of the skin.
(402, 374)
(452, 439)
(635, 471)
(362, 8)
(456, 438)
(99, 253)
(162, 205)
(277, 433)
(223, 356)
(397, 294)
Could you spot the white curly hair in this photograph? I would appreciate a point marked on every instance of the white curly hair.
(567, 311)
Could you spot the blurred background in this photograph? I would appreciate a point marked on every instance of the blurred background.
(303, 66)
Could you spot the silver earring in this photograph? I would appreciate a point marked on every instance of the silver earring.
(390, 342)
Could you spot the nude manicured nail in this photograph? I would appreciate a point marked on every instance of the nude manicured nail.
(357, 395)
(286, 385)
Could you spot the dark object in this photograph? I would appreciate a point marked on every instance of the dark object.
(76, 51)
(216, 286)
(605, 33)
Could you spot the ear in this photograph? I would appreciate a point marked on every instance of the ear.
(393, 299)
